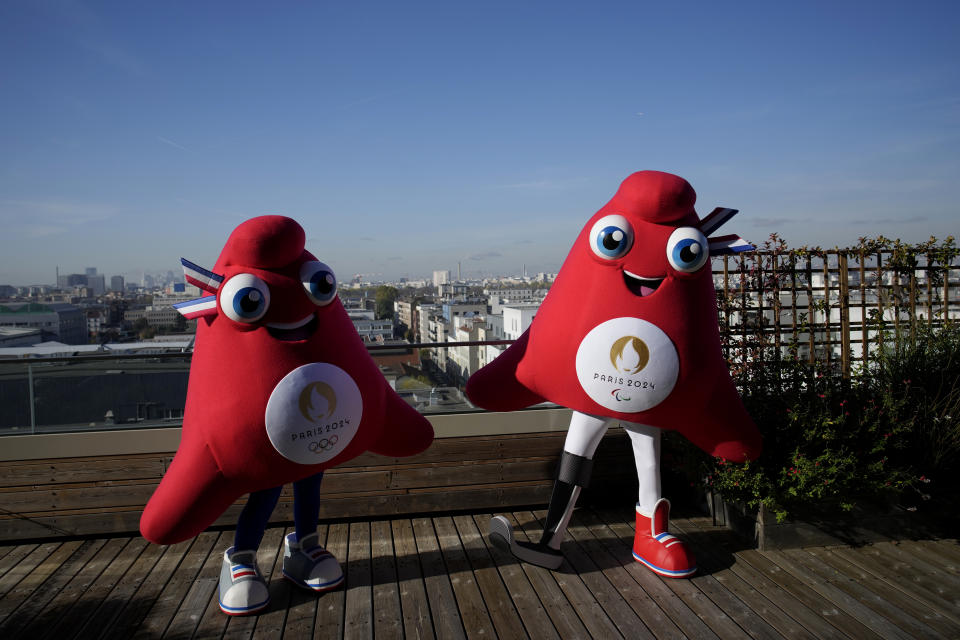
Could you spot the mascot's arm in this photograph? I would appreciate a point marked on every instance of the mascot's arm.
(192, 494)
(495, 387)
(728, 431)
(405, 431)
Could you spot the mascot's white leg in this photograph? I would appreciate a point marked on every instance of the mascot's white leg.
(576, 464)
(653, 545)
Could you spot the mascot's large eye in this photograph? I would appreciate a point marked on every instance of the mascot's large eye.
(611, 237)
(319, 281)
(687, 249)
(244, 298)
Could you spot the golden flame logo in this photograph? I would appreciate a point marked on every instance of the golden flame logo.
(312, 400)
(629, 354)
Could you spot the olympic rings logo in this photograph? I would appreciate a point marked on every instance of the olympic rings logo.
(325, 444)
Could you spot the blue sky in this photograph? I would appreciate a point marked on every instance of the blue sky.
(407, 137)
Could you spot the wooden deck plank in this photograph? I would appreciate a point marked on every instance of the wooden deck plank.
(51, 577)
(154, 622)
(388, 616)
(474, 614)
(616, 535)
(302, 609)
(602, 544)
(62, 607)
(578, 594)
(595, 565)
(930, 573)
(123, 589)
(904, 611)
(837, 617)
(781, 597)
(358, 616)
(663, 591)
(236, 627)
(13, 554)
(883, 568)
(483, 556)
(331, 606)
(760, 617)
(688, 590)
(25, 564)
(270, 623)
(439, 590)
(565, 619)
(74, 621)
(415, 608)
(440, 576)
(503, 613)
(824, 581)
(937, 553)
(199, 591)
(149, 591)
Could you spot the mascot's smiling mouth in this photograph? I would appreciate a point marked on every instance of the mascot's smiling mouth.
(641, 286)
(293, 331)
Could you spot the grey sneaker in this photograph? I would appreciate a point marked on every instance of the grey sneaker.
(309, 565)
(242, 589)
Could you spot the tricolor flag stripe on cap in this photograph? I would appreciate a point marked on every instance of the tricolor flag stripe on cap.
(722, 245)
(717, 218)
(200, 277)
(205, 306)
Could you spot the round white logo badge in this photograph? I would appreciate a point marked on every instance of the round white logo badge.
(313, 413)
(627, 365)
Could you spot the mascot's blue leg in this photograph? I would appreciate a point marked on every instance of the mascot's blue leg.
(305, 562)
(306, 505)
(242, 588)
(254, 517)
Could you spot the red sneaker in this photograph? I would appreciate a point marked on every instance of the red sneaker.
(660, 551)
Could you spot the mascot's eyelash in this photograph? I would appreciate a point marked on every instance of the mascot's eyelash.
(207, 281)
(720, 245)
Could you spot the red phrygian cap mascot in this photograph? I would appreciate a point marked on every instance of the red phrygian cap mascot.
(628, 333)
(281, 388)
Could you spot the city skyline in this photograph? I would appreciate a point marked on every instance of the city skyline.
(412, 138)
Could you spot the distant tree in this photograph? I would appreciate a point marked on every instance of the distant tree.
(385, 297)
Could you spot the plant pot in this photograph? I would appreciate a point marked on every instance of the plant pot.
(820, 525)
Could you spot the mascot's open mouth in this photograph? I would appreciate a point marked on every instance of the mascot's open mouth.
(641, 286)
(293, 331)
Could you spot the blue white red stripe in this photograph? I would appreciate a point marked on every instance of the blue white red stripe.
(200, 277)
(205, 306)
(722, 245)
(717, 218)
(241, 570)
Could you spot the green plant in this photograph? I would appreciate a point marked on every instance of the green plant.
(889, 429)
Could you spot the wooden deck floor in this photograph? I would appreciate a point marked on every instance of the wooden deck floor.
(439, 577)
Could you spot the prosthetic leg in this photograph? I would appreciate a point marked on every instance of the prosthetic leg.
(576, 465)
(653, 545)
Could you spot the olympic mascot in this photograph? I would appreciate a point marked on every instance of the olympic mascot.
(281, 388)
(628, 333)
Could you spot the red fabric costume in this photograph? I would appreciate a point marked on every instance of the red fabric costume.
(281, 386)
(682, 382)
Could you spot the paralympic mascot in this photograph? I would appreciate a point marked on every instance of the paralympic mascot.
(628, 333)
(281, 388)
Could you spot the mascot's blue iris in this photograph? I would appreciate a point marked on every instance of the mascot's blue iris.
(319, 282)
(612, 242)
(687, 252)
(687, 249)
(323, 285)
(248, 303)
